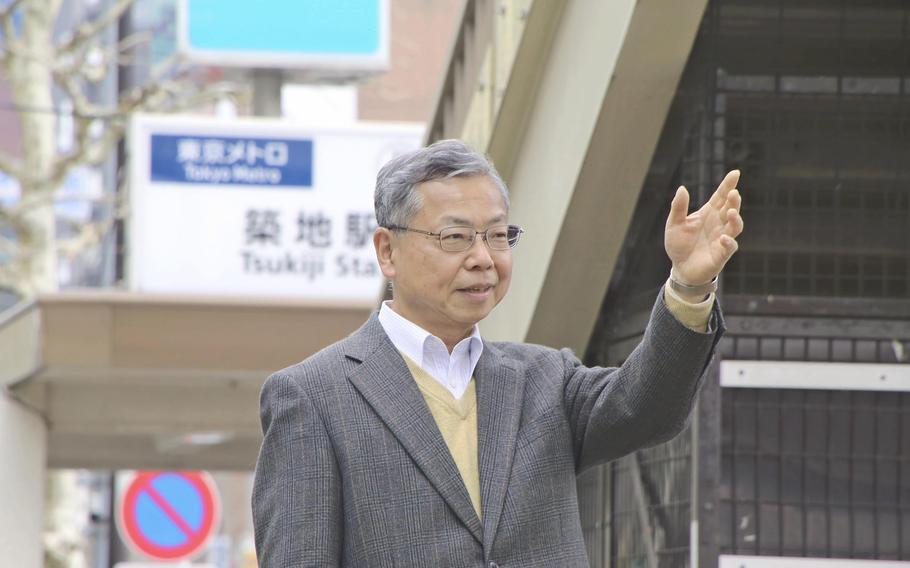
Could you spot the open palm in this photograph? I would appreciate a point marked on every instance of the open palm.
(700, 244)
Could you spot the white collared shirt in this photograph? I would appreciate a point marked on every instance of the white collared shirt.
(430, 353)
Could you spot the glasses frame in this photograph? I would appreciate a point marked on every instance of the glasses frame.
(473, 237)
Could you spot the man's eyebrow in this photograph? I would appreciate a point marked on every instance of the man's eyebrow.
(456, 220)
(466, 223)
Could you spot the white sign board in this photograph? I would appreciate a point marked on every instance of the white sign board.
(814, 375)
(257, 207)
(727, 561)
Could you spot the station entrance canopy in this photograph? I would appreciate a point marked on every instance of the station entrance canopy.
(128, 380)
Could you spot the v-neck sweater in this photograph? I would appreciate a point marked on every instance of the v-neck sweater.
(457, 421)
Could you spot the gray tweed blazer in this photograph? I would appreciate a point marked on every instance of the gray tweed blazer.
(353, 470)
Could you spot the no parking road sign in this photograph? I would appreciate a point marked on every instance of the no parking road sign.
(169, 515)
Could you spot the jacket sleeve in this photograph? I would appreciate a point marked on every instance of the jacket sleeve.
(646, 401)
(297, 507)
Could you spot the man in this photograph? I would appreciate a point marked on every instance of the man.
(414, 442)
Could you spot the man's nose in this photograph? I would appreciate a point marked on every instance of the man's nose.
(479, 255)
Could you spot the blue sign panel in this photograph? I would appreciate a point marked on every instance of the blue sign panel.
(301, 26)
(229, 160)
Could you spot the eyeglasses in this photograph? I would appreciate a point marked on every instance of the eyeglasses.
(458, 239)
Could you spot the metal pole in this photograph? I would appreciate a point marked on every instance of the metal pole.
(267, 92)
(642, 506)
(694, 497)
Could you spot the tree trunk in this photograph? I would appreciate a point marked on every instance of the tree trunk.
(31, 81)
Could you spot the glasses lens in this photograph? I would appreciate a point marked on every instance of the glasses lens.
(456, 239)
(513, 234)
(498, 237)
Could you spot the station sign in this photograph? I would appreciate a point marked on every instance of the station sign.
(257, 207)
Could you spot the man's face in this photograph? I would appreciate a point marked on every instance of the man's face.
(444, 292)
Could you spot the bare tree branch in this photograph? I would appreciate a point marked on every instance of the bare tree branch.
(89, 234)
(10, 166)
(169, 63)
(156, 94)
(125, 45)
(88, 30)
(12, 272)
(9, 278)
(81, 65)
(94, 151)
(6, 17)
(63, 164)
(9, 246)
(7, 11)
(87, 197)
(13, 277)
(70, 79)
(82, 106)
(87, 150)
(15, 50)
(13, 216)
(11, 219)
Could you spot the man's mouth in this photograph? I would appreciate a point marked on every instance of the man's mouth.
(477, 289)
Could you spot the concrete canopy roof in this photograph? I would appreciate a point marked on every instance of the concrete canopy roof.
(128, 380)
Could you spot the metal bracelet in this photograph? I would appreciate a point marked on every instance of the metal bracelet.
(683, 288)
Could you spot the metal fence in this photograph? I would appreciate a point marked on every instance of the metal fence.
(815, 473)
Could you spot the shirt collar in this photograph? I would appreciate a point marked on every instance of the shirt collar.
(413, 340)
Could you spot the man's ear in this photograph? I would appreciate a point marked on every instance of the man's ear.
(382, 242)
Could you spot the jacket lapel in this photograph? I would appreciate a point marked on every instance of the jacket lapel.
(500, 391)
(383, 379)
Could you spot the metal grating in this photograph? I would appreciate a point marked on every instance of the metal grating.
(811, 348)
(815, 473)
(661, 493)
(812, 101)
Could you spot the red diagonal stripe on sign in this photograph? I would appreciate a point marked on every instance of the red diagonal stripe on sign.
(168, 510)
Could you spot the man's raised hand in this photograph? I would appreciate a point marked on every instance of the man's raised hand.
(700, 244)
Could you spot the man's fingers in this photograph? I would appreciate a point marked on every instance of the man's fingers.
(728, 184)
(734, 225)
(730, 245)
(734, 199)
(679, 207)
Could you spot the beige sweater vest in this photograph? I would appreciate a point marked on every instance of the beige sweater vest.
(457, 421)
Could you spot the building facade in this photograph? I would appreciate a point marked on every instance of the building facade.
(800, 444)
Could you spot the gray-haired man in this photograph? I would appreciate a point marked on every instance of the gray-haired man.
(414, 442)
